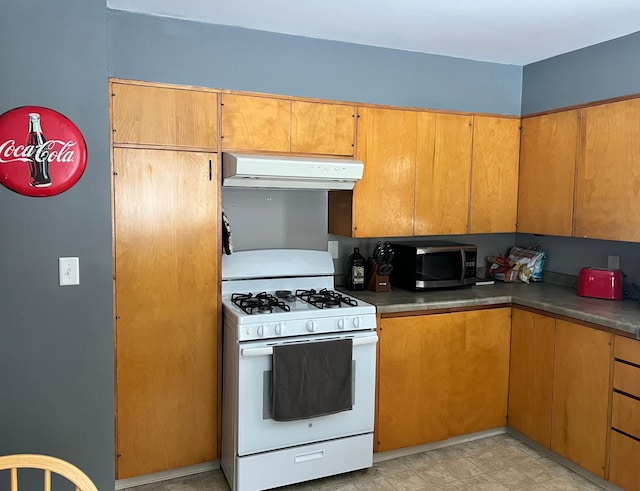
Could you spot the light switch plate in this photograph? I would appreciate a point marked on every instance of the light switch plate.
(69, 270)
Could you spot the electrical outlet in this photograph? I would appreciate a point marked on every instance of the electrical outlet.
(333, 248)
(613, 262)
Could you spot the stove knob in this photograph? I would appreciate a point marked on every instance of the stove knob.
(279, 329)
(260, 330)
(341, 323)
(311, 326)
(356, 322)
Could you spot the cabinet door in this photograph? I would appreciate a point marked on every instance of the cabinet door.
(443, 172)
(547, 169)
(479, 370)
(608, 177)
(624, 470)
(494, 174)
(162, 116)
(256, 123)
(322, 128)
(383, 200)
(413, 380)
(581, 395)
(166, 295)
(531, 375)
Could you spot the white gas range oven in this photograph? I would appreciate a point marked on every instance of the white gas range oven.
(299, 371)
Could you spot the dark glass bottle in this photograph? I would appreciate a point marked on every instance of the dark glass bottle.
(355, 272)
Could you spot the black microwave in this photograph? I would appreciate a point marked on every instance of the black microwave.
(433, 264)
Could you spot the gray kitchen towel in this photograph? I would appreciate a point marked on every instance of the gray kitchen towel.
(311, 379)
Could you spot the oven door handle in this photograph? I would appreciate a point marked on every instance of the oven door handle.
(268, 350)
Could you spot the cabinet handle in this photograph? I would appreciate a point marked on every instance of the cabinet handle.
(209, 169)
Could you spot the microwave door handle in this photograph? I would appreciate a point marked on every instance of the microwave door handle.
(463, 270)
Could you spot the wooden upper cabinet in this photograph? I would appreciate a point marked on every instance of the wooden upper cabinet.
(494, 174)
(547, 168)
(608, 174)
(443, 172)
(581, 395)
(531, 375)
(256, 123)
(383, 199)
(163, 117)
(322, 128)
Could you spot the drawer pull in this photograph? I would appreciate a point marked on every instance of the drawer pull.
(307, 457)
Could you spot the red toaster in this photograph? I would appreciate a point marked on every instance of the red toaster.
(600, 283)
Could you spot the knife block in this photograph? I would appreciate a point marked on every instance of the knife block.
(377, 282)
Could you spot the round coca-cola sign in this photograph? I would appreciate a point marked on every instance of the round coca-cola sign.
(42, 153)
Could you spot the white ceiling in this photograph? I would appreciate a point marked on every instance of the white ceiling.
(515, 32)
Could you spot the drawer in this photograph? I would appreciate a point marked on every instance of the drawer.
(627, 349)
(625, 415)
(624, 470)
(626, 378)
(303, 463)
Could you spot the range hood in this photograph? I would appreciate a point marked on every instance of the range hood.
(289, 172)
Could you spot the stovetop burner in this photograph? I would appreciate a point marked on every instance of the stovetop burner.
(285, 300)
(325, 299)
(261, 303)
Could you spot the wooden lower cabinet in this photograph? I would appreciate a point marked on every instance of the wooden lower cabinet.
(581, 378)
(559, 387)
(479, 371)
(441, 375)
(166, 302)
(413, 381)
(624, 470)
(531, 375)
(624, 451)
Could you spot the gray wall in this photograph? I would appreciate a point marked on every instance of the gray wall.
(267, 219)
(602, 71)
(159, 49)
(56, 352)
(567, 255)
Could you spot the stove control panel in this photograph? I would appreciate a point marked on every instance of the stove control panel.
(302, 327)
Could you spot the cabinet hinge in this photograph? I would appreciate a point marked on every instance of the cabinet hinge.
(115, 173)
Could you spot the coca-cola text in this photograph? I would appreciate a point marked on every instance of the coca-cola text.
(12, 152)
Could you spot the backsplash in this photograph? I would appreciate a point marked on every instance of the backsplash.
(271, 218)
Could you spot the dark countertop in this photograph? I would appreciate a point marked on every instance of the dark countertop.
(622, 316)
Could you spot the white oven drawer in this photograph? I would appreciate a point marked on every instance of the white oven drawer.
(258, 432)
(272, 469)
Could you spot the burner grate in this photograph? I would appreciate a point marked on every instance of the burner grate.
(325, 299)
(261, 303)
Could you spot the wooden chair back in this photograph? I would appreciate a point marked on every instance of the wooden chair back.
(49, 465)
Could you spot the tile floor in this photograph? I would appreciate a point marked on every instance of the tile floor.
(497, 463)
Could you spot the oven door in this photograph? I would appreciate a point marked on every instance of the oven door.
(258, 432)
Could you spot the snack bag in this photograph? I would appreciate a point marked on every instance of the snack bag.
(502, 269)
(530, 260)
